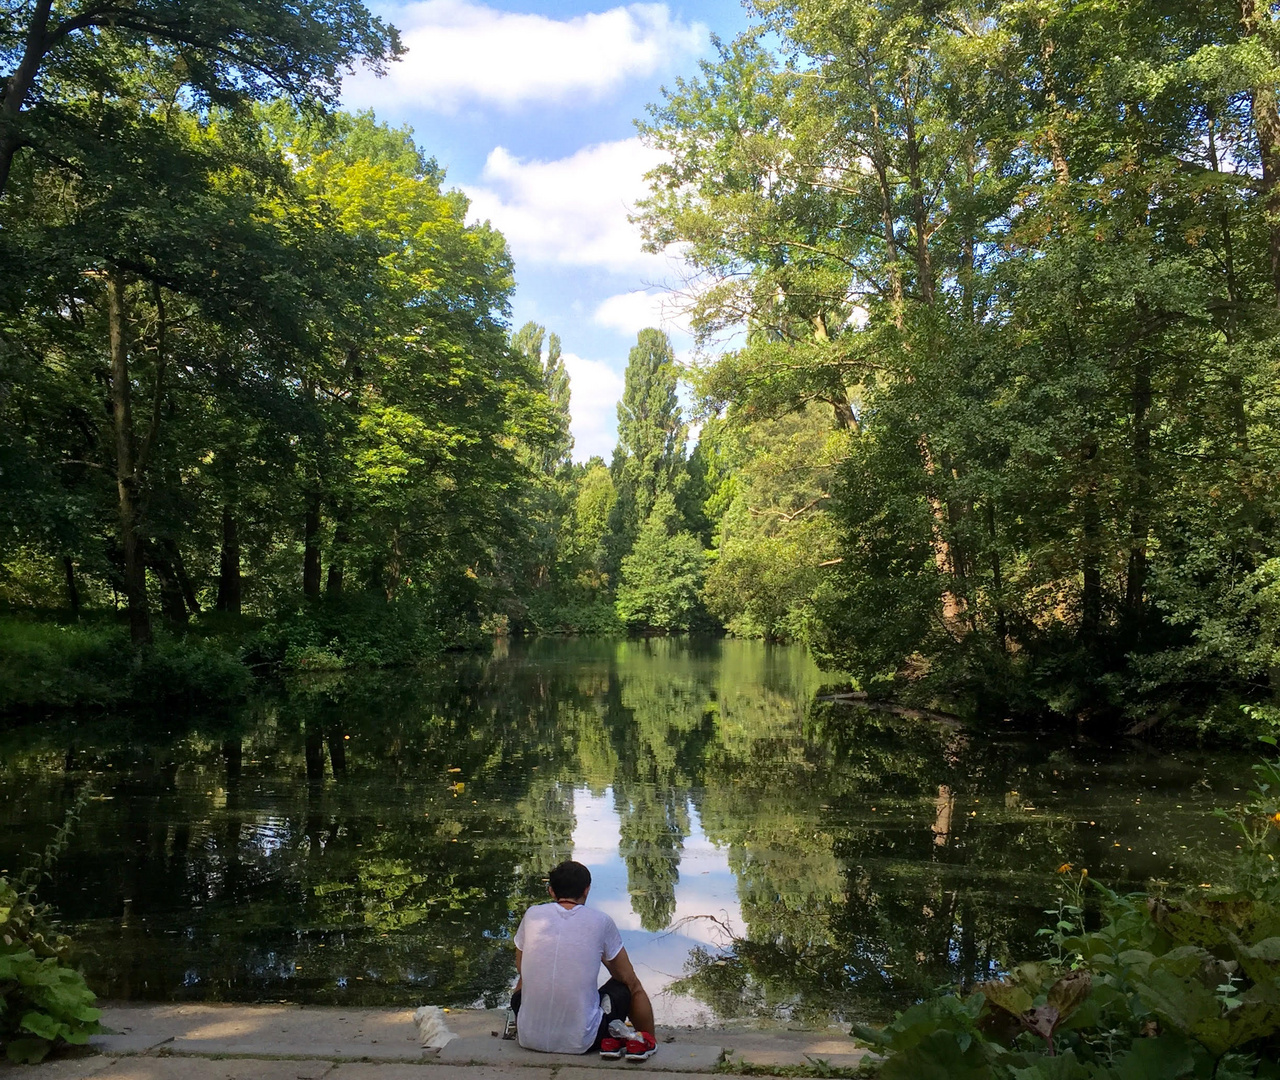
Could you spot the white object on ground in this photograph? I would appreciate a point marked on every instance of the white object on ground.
(432, 1028)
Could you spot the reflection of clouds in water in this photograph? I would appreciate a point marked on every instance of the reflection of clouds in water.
(707, 887)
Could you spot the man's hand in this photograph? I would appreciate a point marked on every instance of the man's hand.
(641, 1009)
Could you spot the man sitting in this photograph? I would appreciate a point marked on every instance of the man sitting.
(559, 949)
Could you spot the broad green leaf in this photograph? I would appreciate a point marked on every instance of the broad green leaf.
(938, 1056)
(1007, 995)
(1164, 1057)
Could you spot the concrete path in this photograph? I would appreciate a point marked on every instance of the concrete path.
(290, 1042)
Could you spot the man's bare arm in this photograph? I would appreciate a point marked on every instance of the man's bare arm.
(641, 1008)
(519, 973)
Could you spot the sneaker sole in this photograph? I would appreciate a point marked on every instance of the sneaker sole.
(611, 1055)
(642, 1057)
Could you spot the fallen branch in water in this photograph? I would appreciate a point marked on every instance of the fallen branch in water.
(859, 697)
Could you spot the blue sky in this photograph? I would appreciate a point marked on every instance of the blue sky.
(530, 107)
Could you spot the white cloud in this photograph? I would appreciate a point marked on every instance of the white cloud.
(572, 211)
(594, 390)
(461, 52)
(629, 313)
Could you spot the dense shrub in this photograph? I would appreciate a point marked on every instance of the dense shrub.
(552, 612)
(44, 665)
(359, 630)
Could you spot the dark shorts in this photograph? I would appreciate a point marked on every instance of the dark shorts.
(615, 1000)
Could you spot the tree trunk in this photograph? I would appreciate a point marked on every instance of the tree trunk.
(172, 603)
(337, 566)
(880, 162)
(135, 573)
(1136, 578)
(73, 592)
(1235, 384)
(919, 213)
(229, 564)
(944, 809)
(183, 578)
(19, 86)
(337, 751)
(997, 580)
(393, 566)
(311, 547)
(233, 758)
(313, 748)
(1090, 567)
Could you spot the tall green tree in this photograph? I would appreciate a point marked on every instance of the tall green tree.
(660, 587)
(649, 456)
(558, 444)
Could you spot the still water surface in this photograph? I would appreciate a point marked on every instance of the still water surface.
(374, 838)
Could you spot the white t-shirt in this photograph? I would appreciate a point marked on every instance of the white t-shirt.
(561, 950)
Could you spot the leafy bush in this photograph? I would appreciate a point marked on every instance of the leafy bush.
(359, 630)
(43, 999)
(662, 578)
(1164, 989)
(44, 665)
(560, 612)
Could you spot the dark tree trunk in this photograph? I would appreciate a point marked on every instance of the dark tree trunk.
(73, 592)
(1090, 567)
(233, 757)
(172, 603)
(337, 564)
(997, 580)
(174, 553)
(337, 751)
(314, 747)
(135, 572)
(1136, 578)
(1266, 126)
(311, 547)
(229, 564)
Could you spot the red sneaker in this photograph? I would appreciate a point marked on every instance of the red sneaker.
(642, 1047)
(612, 1048)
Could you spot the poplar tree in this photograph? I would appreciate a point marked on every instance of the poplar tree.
(649, 455)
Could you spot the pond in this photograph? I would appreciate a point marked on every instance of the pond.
(373, 838)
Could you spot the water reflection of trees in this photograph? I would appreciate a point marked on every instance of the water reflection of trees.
(376, 838)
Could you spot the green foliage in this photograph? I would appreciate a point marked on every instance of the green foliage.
(662, 578)
(312, 381)
(44, 1001)
(649, 457)
(361, 630)
(44, 665)
(1023, 255)
(772, 521)
(570, 610)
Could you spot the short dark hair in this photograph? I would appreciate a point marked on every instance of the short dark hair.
(569, 880)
